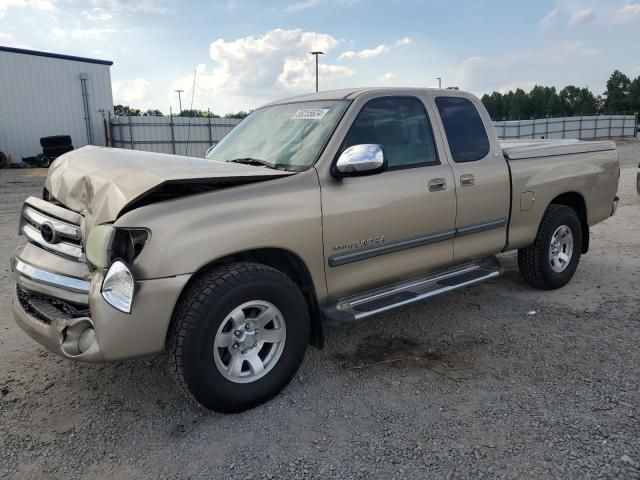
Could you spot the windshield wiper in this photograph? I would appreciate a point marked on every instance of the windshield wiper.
(253, 161)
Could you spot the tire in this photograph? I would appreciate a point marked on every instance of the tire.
(55, 141)
(535, 263)
(3, 160)
(201, 318)
(43, 161)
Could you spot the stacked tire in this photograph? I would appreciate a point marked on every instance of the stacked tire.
(53, 147)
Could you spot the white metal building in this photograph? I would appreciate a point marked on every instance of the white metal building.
(44, 94)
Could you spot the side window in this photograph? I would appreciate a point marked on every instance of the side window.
(401, 126)
(468, 140)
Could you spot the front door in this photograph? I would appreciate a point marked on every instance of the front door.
(390, 226)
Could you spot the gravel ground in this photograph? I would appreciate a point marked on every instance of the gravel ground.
(475, 385)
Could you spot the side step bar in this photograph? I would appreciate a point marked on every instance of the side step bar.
(389, 297)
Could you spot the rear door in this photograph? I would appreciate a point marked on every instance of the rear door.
(482, 180)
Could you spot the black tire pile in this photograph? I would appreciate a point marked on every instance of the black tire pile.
(52, 148)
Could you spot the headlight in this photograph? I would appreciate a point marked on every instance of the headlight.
(118, 287)
(106, 244)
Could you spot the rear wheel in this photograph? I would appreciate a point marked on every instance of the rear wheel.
(238, 336)
(551, 261)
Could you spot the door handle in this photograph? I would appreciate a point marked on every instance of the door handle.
(467, 180)
(437, 184)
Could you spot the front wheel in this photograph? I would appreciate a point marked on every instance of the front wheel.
(551, 261)
(238, 336)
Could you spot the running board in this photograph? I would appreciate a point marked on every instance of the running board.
(389, 297)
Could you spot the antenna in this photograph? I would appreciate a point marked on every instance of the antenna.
(193, 90)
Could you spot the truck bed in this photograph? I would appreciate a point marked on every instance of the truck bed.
(521, 149)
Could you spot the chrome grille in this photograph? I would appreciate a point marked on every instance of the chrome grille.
(53, 228)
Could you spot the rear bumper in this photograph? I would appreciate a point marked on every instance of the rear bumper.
(69, 317)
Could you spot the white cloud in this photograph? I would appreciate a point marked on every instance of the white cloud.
(133, 92)
(299, 74)
(549, 19)
(9, 40)
(366, 53)
(627, 13)
(404, 41)
(581, 17)
(302, 5)
(374, 52)
(251, 70)
(94, 35)
(44, 5)
(147, 6)
(97, 15)
(386, 76)
(554, 64)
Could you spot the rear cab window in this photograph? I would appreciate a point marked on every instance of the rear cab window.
(467, 137)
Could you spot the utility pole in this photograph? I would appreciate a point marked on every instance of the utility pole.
(179, 99)
(439, 82)
(316, 55)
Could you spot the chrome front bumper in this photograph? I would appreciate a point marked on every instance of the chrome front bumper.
(69, 317)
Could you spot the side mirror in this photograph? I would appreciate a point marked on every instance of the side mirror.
(361, 159)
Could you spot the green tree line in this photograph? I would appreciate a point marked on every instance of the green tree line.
(126, 110)
(622, 96)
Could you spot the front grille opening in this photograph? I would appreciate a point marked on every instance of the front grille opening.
(46, 308)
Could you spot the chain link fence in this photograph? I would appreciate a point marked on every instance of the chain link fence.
(190, 136)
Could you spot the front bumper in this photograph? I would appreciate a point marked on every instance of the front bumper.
(69, 317)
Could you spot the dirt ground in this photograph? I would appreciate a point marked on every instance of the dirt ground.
(496, 381)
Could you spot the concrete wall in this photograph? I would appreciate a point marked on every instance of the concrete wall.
(41, 96)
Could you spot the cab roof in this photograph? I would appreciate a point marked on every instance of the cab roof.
(352, 93)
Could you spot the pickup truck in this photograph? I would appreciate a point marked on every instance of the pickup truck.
(329, 207)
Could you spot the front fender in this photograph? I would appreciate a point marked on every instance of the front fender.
(191, 232)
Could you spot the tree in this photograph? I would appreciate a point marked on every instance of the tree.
(569, 96)
(518, 105)
(152, 113)
(126, 110)
(617, 94)
(634, 95)
(495, 105)
(198, 113)
(240, 114)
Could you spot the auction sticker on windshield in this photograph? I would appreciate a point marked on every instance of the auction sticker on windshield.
(310, 114)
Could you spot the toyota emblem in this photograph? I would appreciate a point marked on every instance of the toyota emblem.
(48, 233)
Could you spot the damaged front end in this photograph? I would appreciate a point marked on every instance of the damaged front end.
(76, 290)
(71, 295)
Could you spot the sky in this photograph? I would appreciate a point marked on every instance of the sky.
(245, 53)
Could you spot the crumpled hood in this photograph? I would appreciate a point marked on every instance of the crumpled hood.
(101, 183)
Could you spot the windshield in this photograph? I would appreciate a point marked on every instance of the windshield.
(282, 136)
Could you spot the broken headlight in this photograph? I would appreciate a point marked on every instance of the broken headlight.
(106, 244)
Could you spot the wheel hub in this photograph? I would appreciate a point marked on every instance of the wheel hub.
(561, 249)
(249, 341)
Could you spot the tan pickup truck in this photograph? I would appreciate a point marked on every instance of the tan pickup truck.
(328, 207)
